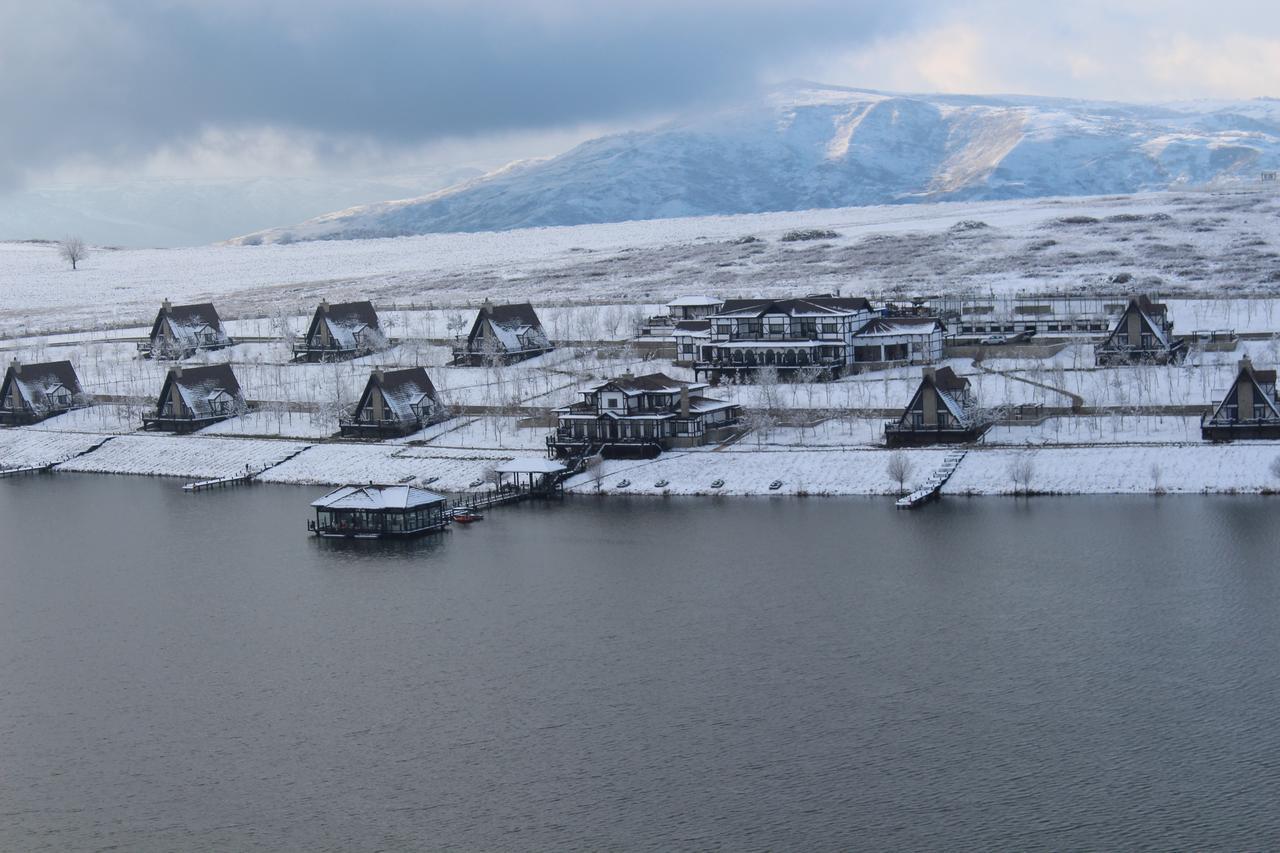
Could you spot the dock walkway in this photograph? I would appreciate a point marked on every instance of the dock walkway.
(933, 486)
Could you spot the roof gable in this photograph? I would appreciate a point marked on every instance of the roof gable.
(39, 383)
(402, 390)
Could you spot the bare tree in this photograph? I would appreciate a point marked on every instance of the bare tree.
(899, 469)
(1157, 476)
(72, 250)
(1275, 467)
(594, 468)
(1022, 469)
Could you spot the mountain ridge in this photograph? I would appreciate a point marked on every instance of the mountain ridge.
(804, 145)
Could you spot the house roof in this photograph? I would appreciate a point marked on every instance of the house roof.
(187, 320)
(536, 465)
(945, 379)
(893, 326)
(378, 498)
(516, 326)
(693, 327)
(811, 306)
(1259, 378)
(693, 301)
(37, 382)
(345, 320)
(199, 386)
(650, 383)
(401, 390)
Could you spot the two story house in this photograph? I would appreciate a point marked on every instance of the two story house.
(813, 335)
(393, 403)
(640, 416)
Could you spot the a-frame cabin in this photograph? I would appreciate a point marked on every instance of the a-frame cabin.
(341, 331)
(1248, 409)
(33, 392)
(394, 403)
(192, 398)
(942, 411)
(503, 334)
(1143, 335)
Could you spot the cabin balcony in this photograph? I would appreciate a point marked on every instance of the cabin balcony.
(897, 434)
(181, 424)
(389, 428)
(312, 353)
(1239, 430)
(21, 417)
(463, 357)
(567, 443)
(1120, 354)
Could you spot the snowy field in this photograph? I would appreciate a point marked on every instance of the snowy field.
(181, 456)
(1193, 243)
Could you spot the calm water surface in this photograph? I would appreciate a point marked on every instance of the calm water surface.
(194, 672)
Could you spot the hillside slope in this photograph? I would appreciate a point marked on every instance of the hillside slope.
(805, 146)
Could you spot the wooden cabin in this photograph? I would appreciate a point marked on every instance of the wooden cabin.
(898, 340)
(503, 334)
(33, 392)
(942, 411)
(1250, 408)
(394, 403)
(180, 331)
(195, 397)
(640, 416)
(1143, 335)
(339, 332)
(376, 512)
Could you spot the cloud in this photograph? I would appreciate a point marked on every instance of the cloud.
(119, 80)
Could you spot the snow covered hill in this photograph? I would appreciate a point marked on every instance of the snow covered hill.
(804, 146)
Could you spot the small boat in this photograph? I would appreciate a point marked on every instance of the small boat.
(467, 517)
(622, 484)
(715, 484)
(775, 485)
(661, 484)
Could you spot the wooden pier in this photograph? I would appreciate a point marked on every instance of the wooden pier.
(932, 488)
(238, 479)
(27, 469)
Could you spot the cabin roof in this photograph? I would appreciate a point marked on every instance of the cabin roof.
(378, 498)
(693, 301)
(200, 386)
(509, 323)
(535, 465)
(811, 306)
(345, 320)
(37, 382)
(945, 379)
(187, 320)
(401, 390)
(693, 327)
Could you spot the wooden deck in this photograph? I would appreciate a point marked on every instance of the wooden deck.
(932, 488)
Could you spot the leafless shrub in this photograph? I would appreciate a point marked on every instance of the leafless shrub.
(899, 469)
(1022, 470)
(72, 250)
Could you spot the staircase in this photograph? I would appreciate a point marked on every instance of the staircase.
(932, 487)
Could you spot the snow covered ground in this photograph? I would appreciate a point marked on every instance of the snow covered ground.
(1194, 243)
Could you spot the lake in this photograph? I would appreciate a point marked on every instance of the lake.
(196, 672)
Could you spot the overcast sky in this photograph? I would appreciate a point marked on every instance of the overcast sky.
(111, 88)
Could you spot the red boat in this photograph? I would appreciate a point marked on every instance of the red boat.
(467, 517)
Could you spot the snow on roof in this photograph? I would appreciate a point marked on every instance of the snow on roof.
(529, 466)
(693, 301)
(38, 383)
(378, 498)
(345, 320)
(199, 387)
(401, 391)
(515, 327)
(883, 327)
(651, 383)
(812, 306)
(188, 322)
(693, 328)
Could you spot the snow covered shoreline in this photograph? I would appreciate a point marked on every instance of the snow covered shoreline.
(1156, 468)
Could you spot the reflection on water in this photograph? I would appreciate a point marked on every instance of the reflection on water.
(196, 672)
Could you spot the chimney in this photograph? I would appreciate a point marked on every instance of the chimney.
(324, 306)
(15, 366)
(1246, 363)
(378, 374)
(166, 306)
(929, 373)
(684, 399)
(486, 308)
(176, 371)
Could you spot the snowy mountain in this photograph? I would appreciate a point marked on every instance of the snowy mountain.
(803, 146)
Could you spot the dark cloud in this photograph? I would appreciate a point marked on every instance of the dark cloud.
(120, 78)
